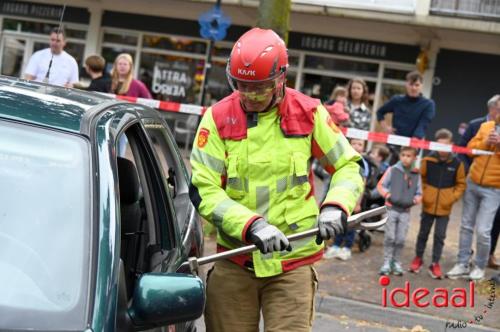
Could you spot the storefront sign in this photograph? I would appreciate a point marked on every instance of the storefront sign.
(172, 78)
(50, 12)
(353, 47)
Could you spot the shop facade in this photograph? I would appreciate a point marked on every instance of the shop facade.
(169, 54)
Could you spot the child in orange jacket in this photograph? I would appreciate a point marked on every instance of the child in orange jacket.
(443, 179)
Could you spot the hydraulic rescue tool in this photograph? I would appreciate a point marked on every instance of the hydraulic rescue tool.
(362, 221)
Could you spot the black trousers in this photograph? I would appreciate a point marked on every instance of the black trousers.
(439, 235)
(495, 232)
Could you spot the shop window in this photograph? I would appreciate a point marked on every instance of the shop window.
(41, 28)
(12, 56)
(172, 78)
(120, 38)
(293, 60)
(357, 68)
(396, 74)
(321, 87)
(217, 86)
(291, 77)
(174, 44)
(222, 50)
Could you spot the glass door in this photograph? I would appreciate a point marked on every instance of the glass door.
(16, 51)
(13, 51)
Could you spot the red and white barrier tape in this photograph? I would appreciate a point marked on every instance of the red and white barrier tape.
(168, 106)
(409, 141)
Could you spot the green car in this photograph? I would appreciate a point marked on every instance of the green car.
(95, 217)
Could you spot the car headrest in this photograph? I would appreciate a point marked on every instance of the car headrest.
(129, 181)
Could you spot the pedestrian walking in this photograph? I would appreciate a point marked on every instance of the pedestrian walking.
(401, 187)
(251, 178)
(443, 179)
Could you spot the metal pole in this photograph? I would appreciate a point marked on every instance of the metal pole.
(208, 65)
(206, 71)
(353, 222)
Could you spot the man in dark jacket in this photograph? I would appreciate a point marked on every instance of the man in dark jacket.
(412, 112)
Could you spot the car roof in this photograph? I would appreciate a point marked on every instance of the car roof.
(50, 106)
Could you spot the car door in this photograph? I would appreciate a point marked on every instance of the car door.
(176, 179)
(150, 240)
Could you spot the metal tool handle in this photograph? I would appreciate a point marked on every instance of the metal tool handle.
(353, 222)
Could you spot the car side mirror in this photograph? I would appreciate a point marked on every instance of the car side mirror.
(162, 299)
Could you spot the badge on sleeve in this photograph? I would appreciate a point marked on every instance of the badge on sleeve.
(203, 137)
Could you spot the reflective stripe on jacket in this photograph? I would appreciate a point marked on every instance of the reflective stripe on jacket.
(262, 169)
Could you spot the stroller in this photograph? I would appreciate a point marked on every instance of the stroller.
(370, 200)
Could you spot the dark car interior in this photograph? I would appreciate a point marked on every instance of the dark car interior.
(133, 223)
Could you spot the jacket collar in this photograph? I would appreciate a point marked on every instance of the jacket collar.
(399, 166)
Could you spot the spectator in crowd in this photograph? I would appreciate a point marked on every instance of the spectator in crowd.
(122, 81)
(337, 106)
(337, 250)
(53, 65)
(401, 187)
(493, 106)
(443, 179)
(473, 126)
(94, 66)
(481, 201)
(357, 100)
(462, 128)
(412, 112)
(378, 165)
(379, 155)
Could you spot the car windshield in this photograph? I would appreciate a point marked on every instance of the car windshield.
(44, 229)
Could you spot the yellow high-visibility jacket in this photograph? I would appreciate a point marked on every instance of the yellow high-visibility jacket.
(251, 165)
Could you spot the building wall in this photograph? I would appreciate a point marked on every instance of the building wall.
(447, 40)
(465, 82)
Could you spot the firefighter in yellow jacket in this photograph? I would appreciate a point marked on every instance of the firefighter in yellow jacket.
(251, 178)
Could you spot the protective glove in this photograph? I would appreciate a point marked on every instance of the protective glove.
(267, 237)
(331, 221)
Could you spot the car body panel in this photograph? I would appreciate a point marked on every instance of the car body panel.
(102, 120)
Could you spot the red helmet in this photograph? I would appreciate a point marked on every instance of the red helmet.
(259, 55)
